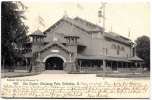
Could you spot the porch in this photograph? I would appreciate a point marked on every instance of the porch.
(96, 64)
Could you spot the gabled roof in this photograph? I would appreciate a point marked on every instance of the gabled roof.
(88, 25)
(53, 44)
(79, 24)
(116, 37)
(89, 28)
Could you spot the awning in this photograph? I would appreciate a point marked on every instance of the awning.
(96, 57)
(124, 59)
(90, 57)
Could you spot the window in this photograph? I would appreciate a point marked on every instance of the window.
(113, 46)
(106, 51)
(122, 48)
(118, 49)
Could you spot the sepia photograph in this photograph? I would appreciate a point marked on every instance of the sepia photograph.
(75, 49)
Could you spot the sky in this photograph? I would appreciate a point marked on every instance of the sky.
(120, 17)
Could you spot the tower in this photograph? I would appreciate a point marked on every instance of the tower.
(71, 44)
(37, 43)
(37, 40)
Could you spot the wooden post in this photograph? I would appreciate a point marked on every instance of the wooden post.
(104, 66)
(111, 64)
(117, 65)
(80, 65)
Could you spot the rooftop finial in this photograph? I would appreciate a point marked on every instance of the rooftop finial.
(129, 31)
(65, 14)
(111, 28)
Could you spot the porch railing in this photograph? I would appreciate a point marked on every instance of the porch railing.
(130, 70)
(90, 69)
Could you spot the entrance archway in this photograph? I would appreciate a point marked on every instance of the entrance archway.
(54, 63)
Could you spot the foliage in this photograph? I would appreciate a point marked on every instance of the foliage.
(13, 30)
(143, 49)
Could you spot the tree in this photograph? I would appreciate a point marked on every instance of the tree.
(143, 49)
(13, 30)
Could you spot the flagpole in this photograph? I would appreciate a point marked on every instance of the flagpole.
(38, 22)
(129, 32)
(79, 8)
(101, 14)
(103, 35)
(111, 28)
(104, 6)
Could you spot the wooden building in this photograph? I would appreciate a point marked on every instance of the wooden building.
(76, 45)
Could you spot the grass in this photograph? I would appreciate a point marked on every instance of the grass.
(17, 74)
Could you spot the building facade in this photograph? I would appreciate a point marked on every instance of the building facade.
(76, 45)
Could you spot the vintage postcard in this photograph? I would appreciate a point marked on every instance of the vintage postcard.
(75, 49)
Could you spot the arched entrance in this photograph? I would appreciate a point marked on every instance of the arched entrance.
(54, 63)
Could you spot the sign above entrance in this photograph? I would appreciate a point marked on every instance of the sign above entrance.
(55, 51)
(55, 39)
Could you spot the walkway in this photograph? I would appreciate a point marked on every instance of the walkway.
(54, 72)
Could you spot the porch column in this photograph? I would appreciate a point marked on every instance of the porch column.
(117, 65)
(136, 64)
(80, 64)
(111, 65)
(104, 66)
(26, 60)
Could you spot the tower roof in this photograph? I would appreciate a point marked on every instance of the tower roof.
(38, 33)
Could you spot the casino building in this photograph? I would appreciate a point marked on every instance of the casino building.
(76, 45)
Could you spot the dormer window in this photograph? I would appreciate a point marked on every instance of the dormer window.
(113, 46)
